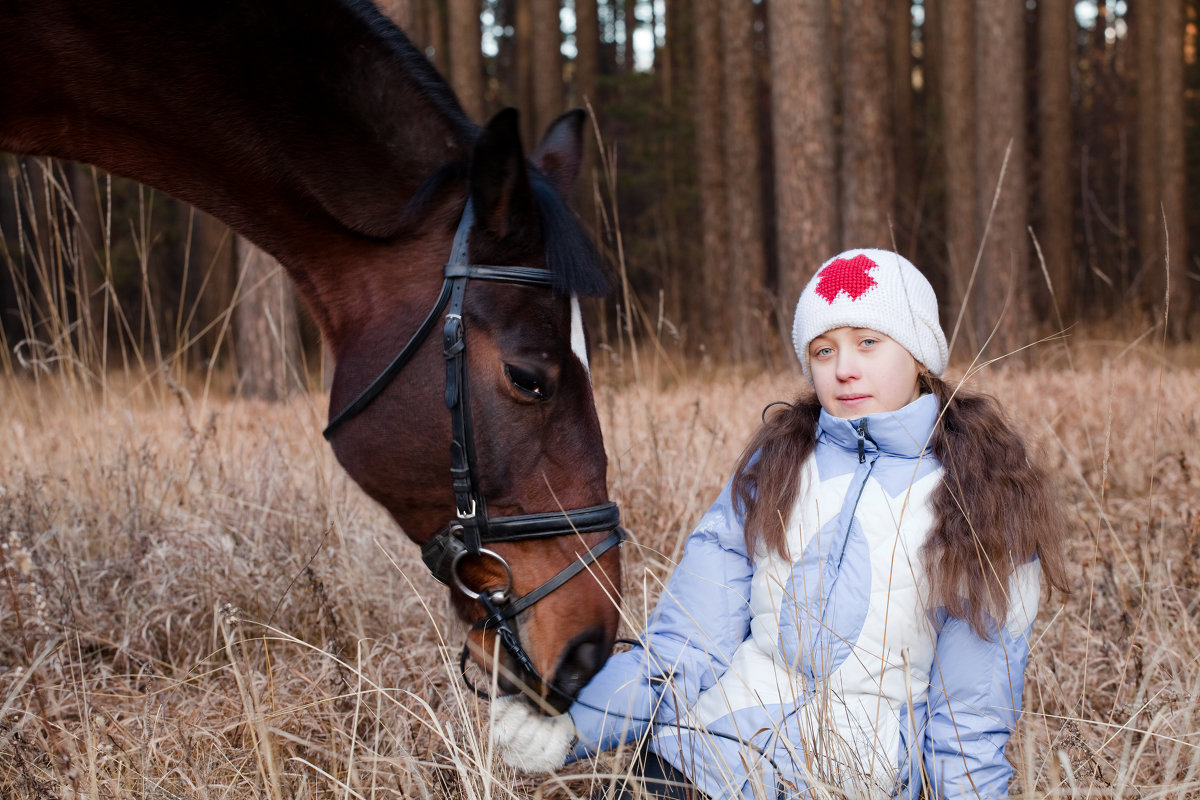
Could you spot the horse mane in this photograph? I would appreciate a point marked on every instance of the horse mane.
(412, 61)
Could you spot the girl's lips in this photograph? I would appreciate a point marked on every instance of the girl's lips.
(853, 398)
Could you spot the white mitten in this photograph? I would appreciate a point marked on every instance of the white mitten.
(527, 739)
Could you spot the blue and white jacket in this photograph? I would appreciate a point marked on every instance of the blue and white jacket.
(761, 677)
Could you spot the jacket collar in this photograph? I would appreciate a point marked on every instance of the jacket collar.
(904, 433)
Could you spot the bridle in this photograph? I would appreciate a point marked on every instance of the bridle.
(466, 535)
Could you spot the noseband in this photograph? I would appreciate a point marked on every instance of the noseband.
(466, 535)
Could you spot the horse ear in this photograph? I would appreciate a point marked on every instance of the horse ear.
(500, 186)
(560, 152)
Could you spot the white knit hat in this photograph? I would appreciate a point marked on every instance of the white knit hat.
(875, 289)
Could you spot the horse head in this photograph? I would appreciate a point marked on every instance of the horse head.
(530, 422)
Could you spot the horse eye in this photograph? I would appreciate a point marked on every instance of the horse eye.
(528, 382)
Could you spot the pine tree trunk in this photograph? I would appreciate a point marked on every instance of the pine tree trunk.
(587, 51)
(1002, 285)
(710, 161)
(524, 44)
(546, 47)
(868, 174)
(436, 42)
(802, 113)
(957, 95)
(743, 180)
(1055, 187)
(1149, 197)
(214, 257)
(466, 56)
(1172, 165)
(904, 150)
(587, 63)
(401, 12)
(267, 328)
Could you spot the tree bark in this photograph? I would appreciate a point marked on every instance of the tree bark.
(904, 149)
(466, 56)
(1055, 186)
(546, 44)
(802, 113)
(743, 180)
(710, 163)
(958, 138)
(1001, 296)
(523, 42)
(868, 171)
(214, 258)
(1172, 167)
(401, 12)
(267, 328)
(436, 41)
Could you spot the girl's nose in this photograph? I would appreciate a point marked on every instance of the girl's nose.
(847, 367)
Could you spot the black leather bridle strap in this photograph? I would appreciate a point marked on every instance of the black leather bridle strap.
(579, 565)
(393, 369)
(603, 517)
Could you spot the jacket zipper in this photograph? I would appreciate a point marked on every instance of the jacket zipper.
(861, 432)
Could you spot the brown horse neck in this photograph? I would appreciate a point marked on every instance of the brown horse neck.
(305, 125)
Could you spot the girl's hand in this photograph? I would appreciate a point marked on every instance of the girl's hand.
(527, 739)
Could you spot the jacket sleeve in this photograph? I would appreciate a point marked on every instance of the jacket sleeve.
(975, 692)
(702, 616)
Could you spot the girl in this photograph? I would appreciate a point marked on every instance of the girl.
(855, 609)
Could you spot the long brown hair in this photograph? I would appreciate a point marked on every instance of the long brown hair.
(994, 508)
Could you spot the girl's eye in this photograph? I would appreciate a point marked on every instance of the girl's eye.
(821, 352)
(868, 342)
(527, 382)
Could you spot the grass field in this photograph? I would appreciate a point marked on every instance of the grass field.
(197, 603)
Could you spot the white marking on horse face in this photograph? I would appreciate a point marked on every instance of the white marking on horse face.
(578, 343)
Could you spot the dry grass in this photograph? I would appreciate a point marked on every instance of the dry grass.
(197, 603)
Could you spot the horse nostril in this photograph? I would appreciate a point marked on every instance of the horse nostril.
(582, 658)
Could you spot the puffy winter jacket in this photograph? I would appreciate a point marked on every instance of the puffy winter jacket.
(761, 677)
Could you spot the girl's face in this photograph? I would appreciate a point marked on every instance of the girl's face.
(858, 371)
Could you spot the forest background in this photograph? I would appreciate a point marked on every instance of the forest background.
(196, 602)
(1037, 160)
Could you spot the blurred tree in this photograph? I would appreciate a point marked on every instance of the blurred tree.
(523, 44)
(401, 12)
(710, 127)
(745, 273)
(904, 124)
(547, 66)
(267, 327)
(956, 81)
(868, 171)
(802, 108)
(465, 60)
(436, 41)
(1055, 185)
(1172, 276)
(586, 69)
(1149, 184)
(1001, 293)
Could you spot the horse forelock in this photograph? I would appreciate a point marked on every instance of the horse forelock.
(570, 255)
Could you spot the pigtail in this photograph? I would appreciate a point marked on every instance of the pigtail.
(765, 488)
(995, 510)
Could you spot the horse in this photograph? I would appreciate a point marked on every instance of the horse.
(315, 129)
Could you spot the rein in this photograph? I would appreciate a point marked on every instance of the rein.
(465, 535)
